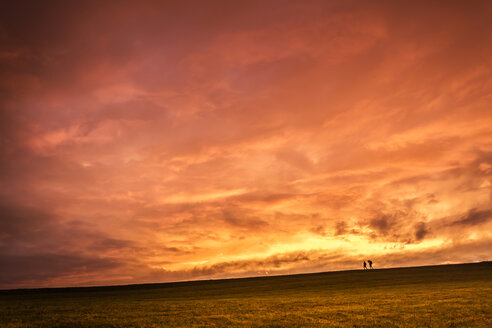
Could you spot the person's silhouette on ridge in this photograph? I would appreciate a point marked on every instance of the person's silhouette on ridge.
(370, 264)
(365, 265)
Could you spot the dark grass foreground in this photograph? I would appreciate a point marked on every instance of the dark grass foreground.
(436, 296)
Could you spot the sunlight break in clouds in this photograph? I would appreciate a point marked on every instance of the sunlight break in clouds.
(152, 142)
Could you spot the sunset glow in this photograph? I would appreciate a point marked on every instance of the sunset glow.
(146, 141)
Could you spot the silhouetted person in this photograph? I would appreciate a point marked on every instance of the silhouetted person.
(370, 264)
(365, 265)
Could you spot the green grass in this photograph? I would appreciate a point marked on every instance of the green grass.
(435, 296)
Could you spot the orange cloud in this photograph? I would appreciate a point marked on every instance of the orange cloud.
(149, 142)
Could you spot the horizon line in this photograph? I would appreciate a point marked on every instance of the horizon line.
(38, 289)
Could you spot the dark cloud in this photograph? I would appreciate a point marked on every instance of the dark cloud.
(264, 197)
(420, 231)
(105, 244)
(241, 220)
(274, 263)
(36, 246)
(23, 222)
(319, 230)
(474, 217)
(38, 268)
(341, 228)
(382, 224)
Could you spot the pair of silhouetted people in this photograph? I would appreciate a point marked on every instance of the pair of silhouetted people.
(370, 264)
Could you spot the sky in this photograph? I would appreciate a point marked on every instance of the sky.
(162, 141)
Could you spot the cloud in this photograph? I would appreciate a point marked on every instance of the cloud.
(36, 247)
(182, 139)
(474, 217)
(382, 224)
(420, 231)
(238, 219)
(37, 269)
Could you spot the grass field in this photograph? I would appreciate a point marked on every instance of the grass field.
(434, 296)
